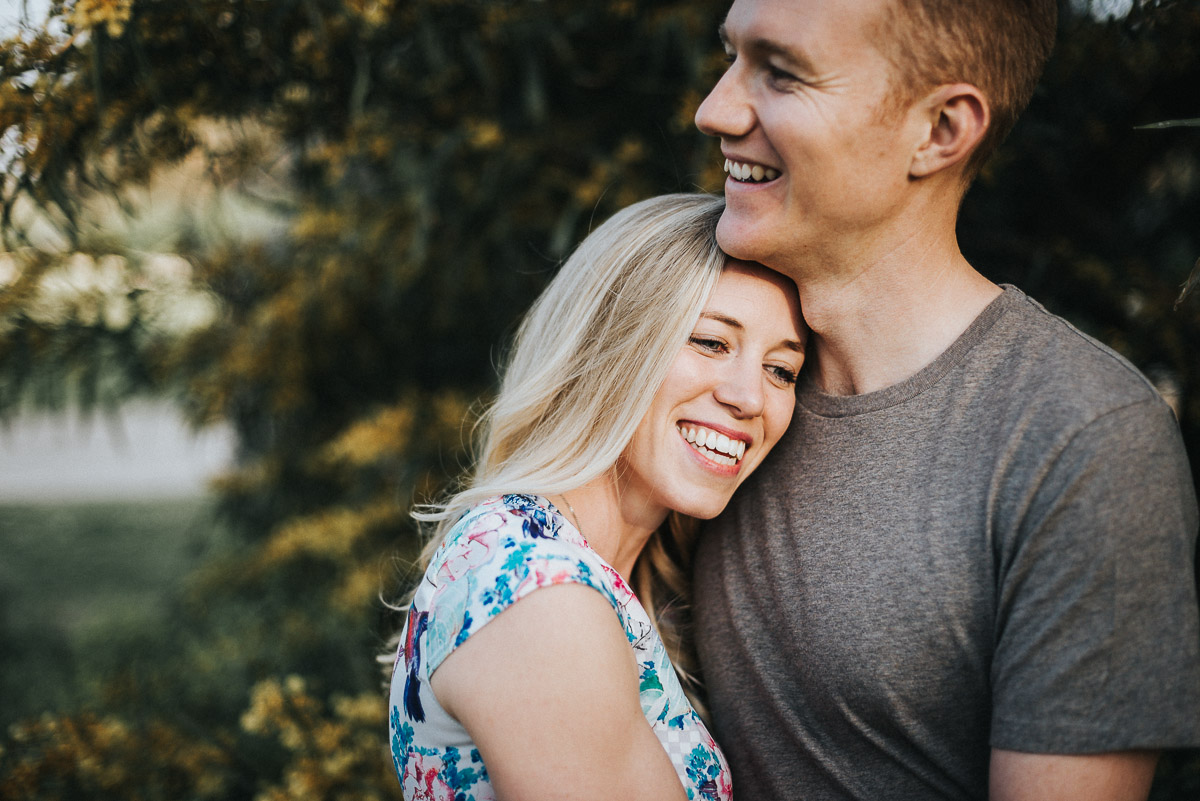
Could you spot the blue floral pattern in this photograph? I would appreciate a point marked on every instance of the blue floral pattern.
(498, 553)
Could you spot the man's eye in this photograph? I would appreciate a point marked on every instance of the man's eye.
(782, 76)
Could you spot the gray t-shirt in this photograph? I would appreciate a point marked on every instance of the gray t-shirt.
(995, 553)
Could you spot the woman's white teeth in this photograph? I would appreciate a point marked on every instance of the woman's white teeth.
(750, 172)
(717, 447)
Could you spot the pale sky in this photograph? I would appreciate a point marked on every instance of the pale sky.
(146, 451)
(13, 11)
(1108, 8)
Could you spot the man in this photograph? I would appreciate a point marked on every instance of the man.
(967, 570)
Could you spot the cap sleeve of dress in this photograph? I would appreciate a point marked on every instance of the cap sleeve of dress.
(496, 555)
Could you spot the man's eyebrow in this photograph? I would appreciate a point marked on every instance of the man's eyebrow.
(767, 47)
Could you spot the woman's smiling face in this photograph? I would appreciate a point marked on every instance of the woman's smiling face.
(726, 400)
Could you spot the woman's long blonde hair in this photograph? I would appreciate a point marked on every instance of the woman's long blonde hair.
(584, 367)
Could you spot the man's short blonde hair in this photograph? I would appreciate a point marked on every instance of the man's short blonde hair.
(999, 46)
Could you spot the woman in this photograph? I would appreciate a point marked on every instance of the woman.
(651, 377)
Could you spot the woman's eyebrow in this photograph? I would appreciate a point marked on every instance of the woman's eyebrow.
(733, 322)
(723, 318)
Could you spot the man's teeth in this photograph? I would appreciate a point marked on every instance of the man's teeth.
(718, 447)
(750, 172)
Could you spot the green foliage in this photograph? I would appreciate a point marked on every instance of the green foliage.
(392, 182)
(107, 758)
(80, 584)
(313, 220)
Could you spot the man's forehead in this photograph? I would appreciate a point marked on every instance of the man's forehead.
(781, 18)
(802, 30)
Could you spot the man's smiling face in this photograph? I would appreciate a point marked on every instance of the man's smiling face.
(816, 155)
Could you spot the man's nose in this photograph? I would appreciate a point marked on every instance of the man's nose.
(726, 112)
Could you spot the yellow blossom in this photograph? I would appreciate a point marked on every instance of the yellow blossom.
(86, 15)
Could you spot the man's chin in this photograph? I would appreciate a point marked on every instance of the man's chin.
(738, 237)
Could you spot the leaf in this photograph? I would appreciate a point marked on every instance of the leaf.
(1192, 280)
(1192, 123)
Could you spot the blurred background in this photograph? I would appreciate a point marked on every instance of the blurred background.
(257, 260)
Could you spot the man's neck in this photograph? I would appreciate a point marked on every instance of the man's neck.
(880, 320)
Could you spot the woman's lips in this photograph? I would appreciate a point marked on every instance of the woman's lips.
(713, 445)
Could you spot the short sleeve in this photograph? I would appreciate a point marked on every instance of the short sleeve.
(492, 562)
(1097, 640)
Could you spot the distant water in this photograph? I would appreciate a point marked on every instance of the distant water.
(143, 452)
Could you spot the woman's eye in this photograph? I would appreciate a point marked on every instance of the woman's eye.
(783, 375)
(709, 344)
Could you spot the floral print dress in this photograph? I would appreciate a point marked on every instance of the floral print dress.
(497, 553)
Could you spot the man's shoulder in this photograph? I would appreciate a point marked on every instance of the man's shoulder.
(1037, 357)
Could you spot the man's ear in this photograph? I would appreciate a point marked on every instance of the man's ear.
(958, 116)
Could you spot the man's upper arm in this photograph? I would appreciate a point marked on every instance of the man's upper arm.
(1097, 637)
(1116, 776)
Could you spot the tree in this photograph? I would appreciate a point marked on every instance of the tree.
(414, 172)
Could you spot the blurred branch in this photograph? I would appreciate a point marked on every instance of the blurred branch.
(1192, 280)
(1192, 123)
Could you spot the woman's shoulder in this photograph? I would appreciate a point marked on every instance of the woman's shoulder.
(513, 514)
(510, 528)
(498, 552)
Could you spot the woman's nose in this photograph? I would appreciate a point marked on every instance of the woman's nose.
(741, 391)
(725, 111)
